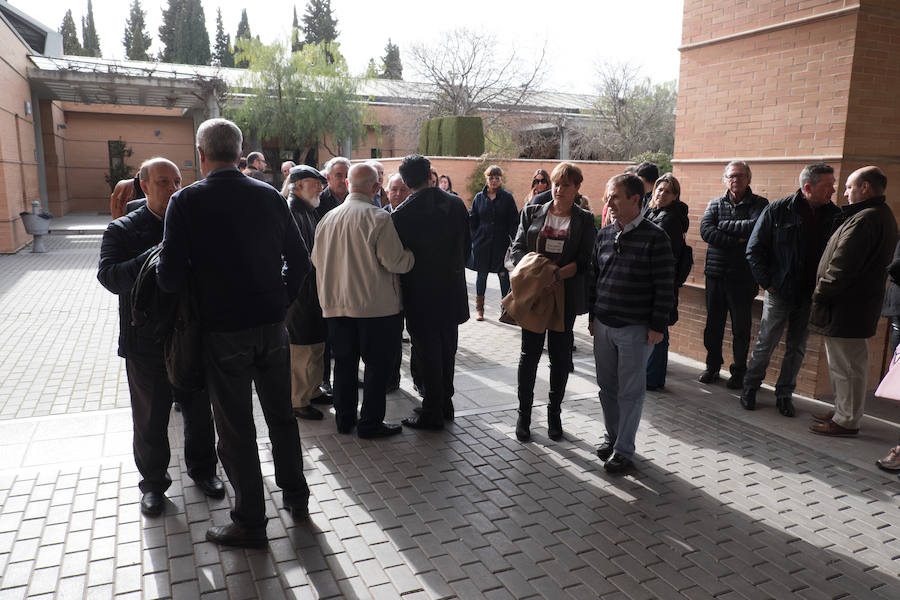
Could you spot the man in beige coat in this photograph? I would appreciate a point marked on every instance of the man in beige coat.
(358, 257)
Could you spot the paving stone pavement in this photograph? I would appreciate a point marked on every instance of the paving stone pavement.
(721, 504)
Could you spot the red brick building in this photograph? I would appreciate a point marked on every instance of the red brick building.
(782, 84)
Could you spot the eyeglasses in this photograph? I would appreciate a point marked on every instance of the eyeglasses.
(736, 176)
(616, 246)
(541, 180)
(493, 177)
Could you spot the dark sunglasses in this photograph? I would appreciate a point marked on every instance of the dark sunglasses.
(536, 180)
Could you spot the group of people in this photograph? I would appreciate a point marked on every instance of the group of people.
(332, 269)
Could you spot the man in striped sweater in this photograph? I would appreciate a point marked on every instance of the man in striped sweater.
(631, 295)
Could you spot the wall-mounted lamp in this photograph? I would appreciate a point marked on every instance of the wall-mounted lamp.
(157, 132)
(61, 126)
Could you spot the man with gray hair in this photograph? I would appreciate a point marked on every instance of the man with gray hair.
(127, 243)
(233, 242)
(784, 251)
(380, 196)
(358, 255)
(730, 287)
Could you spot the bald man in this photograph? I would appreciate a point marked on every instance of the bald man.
(846, 303)
(358, 256)
(126, 244)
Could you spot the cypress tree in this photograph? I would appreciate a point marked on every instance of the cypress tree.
(296, 44)
(318, 23)
(137, 41)
(392, 68)
(191, 36)
(243, 33)
(168, 29)
(71, 45)
(89, 33)
(223, 54)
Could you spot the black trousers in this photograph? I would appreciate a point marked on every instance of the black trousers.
(374, 340)
(234, 359)
(434, 346)
(151, 404)
(725, 296)
(559, 350)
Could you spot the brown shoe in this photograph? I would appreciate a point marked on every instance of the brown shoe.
(833, 429)
(823, 416)
(891, 462)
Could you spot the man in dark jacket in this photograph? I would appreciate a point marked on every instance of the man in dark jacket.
(304, 322)
(237, 241)
(730, 287)
(126, 244)
(784, 251)
(434, 225)
(846, 302)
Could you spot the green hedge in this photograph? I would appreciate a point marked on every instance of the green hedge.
(452, 136)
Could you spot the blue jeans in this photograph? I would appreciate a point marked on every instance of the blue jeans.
(658, 362)
(777, 312)
(481, 283)
(620, 354)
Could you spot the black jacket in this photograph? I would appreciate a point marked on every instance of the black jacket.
(726, 228)
(673, 219)
(776, 249)
(304, 320)
(243, 248)
(493, 223)
(577, 248)
(126, 244)
(434, 225)
(327, 202)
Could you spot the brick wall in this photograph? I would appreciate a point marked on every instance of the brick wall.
(822, 88)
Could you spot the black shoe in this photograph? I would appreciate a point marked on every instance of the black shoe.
(345, 429)
(212, 486)
(418, 422)
(238, 535)
(523, 429)
(153, 503)
(326, 388)
(322, 398)
(655, 388)
(748, 399)
(785, 406)
(605, 450)
(709, 376)
(380, 431)
(298, 512)
(449, 411)
(554, 424)
(617, 464)
(735, 382)
(309, 413)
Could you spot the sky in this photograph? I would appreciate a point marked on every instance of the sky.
(584, 33)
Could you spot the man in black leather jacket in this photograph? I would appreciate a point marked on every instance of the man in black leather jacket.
(784, 251)
(730, 288)
(126, 244)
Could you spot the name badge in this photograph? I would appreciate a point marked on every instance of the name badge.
(555, 246)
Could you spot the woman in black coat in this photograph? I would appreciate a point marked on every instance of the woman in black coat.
(565, 233)
(493, 221)
(668, 211)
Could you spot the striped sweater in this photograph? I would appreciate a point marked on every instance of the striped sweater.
(632, 280)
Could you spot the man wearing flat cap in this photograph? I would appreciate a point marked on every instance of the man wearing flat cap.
(304, 322)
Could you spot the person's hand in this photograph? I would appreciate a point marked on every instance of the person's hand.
(654, 337)
(122, 194)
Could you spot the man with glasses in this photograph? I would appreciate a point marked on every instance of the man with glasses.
(256, 166)
(631, 292)
(730, 286)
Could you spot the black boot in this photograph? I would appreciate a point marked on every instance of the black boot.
(559, 376)
(526, 375)
(554, 421)
(523, 424)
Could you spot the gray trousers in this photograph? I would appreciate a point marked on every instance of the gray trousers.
(620, 356)
(848, 365)
(778, 312)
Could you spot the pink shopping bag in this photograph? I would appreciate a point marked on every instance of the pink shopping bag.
(889, 387)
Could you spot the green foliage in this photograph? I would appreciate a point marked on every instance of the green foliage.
(223, 53)
(89, 33)
(663, 160)
(475, 183)
(71, 45)
(499, 141)
(137, 41)
(318, 23)
(452, 136)
(297, 98)
(167, 28)
(243, 33)
(296, 44)
(191, 36)
(371, 70)
(391, 66)
(118, 170)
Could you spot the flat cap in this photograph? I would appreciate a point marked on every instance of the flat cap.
(303, 172)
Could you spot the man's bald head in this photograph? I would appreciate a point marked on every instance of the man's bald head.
(363, 179)
(867, 182)
(160, 178)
